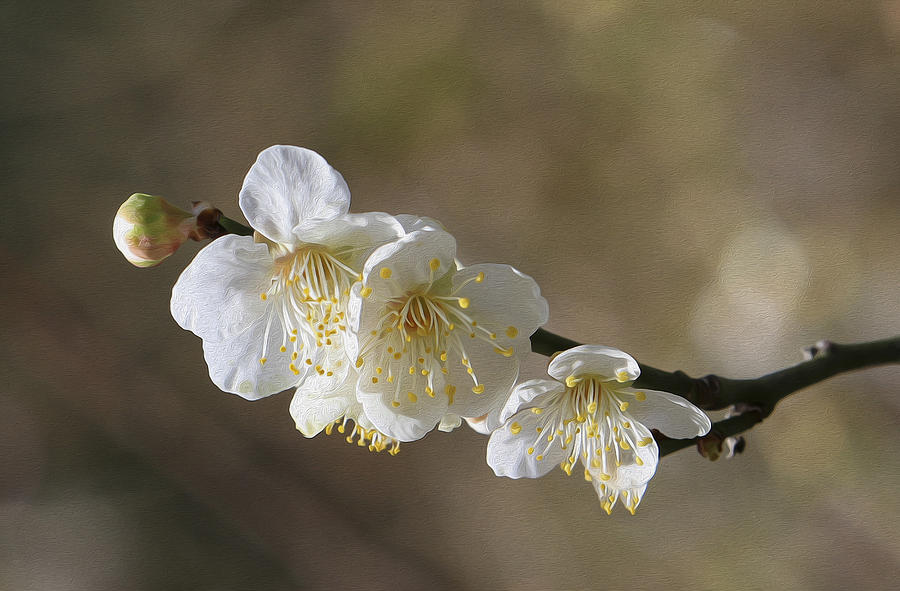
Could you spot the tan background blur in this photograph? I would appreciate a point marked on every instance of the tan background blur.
(710, 186)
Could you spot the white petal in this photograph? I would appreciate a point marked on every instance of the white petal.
(495, 372)
(604, 362)
(507, 452)
(449, 423)
(530, 394)
(287, 185)
(313, 411)
(394, 412)
(671, 414)
(411, 223)
(234, 364)
(505, 301)
(350, 237)
(409, 260)
(218, 294)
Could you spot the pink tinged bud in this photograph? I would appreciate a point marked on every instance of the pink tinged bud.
(148, 229)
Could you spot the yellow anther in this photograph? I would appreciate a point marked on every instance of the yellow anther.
(374, 380)
(622, 375)
(480, 277)
(592, 407)
(478, 389)
(365, 292)
(329, 374)
(434, 264)
(390, 349)
(627, 425)
(587, 475)
(294, 356)
(640, 396)
(424, 372)
(395, 403)
(638, 461)
(308, 362)
(645, 442)
(493, 336)
(539, 429)
(429, 391)
(571, 381)
(537, 410)
(385, 273)
(283, 348)
(595, 463)
(623, 407)
(539, 458)
(464, 303)
(397, 355)
(294, 331)
(263, 360)
(624, 445)
(412, 370)
(263, 297)
(512, 332)
(412, 397)
(293, 339)
(421, 360)
(359, 362)
(505, 352)
(379, 370)
(605, 477)
(443, 356)
(390, 379)
(515, 428)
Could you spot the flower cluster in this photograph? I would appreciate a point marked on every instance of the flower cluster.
(384, 335)
(368, 316)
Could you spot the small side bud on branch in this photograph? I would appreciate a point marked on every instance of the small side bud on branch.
(148, 229)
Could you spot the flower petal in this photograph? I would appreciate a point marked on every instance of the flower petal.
(509, 446)
(409, 260)
(531, 394)
(313, 411)
(503, 300)
(495, 372)
(401, 409)
(218, 295)
(352, 236)
(604, 362)
(449, 423)
(234, 364)
(288, 184)
(671, 414)
(411, 223)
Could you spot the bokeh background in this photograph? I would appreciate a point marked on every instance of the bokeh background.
(708, 185)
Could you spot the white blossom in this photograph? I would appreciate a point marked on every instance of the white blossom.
(435, 340)
(271, 309)
(592, 414)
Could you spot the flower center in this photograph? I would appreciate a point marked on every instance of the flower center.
(591, 422)
(308, 295)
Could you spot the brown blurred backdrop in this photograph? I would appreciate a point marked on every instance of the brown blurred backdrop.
(710, 186)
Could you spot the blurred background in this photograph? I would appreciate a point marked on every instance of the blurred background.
(710, 186)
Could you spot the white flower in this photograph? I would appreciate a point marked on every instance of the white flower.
(271, 309)
(434, 340)
(593, 414)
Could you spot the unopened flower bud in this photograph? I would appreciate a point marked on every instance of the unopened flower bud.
(148, 229)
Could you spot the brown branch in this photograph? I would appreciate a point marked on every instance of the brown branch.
(752, 399)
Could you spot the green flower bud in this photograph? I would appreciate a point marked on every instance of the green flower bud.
(148, 229)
